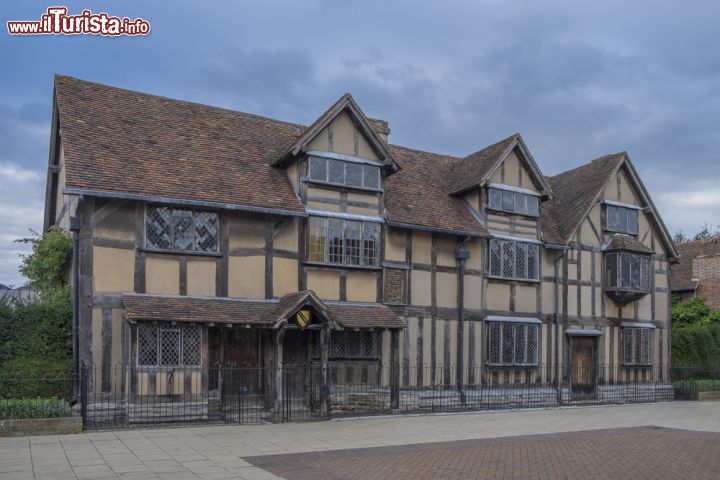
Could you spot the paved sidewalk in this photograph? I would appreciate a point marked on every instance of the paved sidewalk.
(218, 452)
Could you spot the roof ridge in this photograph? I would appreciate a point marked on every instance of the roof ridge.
(178, 100)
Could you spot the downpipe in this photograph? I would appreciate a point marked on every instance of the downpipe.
(558, 389)
(461, 254)
(75, 229)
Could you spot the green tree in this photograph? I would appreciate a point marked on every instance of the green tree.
(46, 265)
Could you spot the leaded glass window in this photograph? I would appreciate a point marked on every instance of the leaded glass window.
(342, 172)
(344, 242)
(354, 344)
(514, 260)
(637, 346)
(628, 271)
(513, 202)
(512, 343)
(168, 345)
(621, 219)
(179, 229)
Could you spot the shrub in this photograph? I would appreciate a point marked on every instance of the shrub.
(23, 408)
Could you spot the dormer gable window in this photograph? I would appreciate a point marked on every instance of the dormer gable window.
(513, 200)
(348, 173)
(621, 218)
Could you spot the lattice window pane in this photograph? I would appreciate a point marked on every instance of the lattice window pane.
(318, 239)
(520, 344)
(371, 176)
(158, 227)
(533, 262)
(632, 221)
(338, 345)
(625, 274)
(521, 203)
(532, 343)
(371, 243)
(354, 344)
(335, 240)
(622, 219)
(611, 212)
(353, 174)
(508, 347)
(353, 233)
(169, 346)
(206, 231)
(508, 259)
(191, 346)
(508, 200)
(645, 273)
(369, 344)
(494, 342)
(533, 205)
(628, 335)
(336, 170)
(495, 198)
(495, 258)
(635, 271)
(182, 221)
(318, 169)
(520, 260)
(147, 342)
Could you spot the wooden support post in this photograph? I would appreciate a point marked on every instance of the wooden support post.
(324, 373)
(278, 339)
(395, 369)
(268, 368)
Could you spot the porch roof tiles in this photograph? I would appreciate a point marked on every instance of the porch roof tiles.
(173, 308)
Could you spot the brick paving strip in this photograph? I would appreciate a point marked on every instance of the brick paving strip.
(637, 453)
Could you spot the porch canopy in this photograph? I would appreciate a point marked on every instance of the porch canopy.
(273, 313)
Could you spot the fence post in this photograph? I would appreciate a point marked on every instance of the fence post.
(395, 369)
(324, 373)
(83, 393)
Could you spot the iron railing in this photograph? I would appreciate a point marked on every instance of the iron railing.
(120, 397)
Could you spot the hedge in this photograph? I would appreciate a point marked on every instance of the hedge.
(24, 408)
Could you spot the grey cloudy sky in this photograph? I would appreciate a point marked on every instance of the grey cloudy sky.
(576, 79)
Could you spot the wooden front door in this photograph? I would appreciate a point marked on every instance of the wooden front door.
(583, 370)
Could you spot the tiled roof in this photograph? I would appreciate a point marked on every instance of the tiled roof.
(574, 192)
(121, 141)
(136, 145)
(682, 272)
(471, 170)
(417, 194)
(143, 307)
(131, 143)
(626, 243)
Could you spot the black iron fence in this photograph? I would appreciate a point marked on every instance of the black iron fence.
(120, 397)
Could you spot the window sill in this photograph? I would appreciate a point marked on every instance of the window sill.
(180, 252)
(609, 230)
(343, 186)
(341, 266)
(515, 280)
(496, 366)
(507, 212)
(647, 365)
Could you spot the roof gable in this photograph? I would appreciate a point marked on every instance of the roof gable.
(476, 168)
(577, 190)
(347, 104)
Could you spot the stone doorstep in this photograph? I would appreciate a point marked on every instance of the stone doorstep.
(40, 426)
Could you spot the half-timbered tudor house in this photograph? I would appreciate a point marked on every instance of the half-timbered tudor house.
(208, 238)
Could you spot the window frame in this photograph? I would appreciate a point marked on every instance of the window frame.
(625, 210)
(365, 229)
(501, 327)
(159, 328)
(646, 356)
(363, 177)
(506, 193)
(613, 275)
(195, 212)
(501, 276)
(364, 337)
